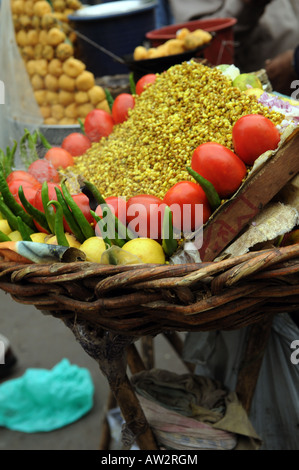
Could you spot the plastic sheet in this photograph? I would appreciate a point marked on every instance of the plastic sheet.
(275, 407)
(18, 107)
(44, 400)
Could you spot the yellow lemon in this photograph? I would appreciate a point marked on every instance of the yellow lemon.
(4, 226)
(38, 237)
(73, 242)
(254, 91)
(15, 236)
(148, 250)
(93, 247)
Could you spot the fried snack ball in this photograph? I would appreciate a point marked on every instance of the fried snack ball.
(42, 7)
(40, 97)
(27, 53)
(51, 121)
(21, 38)
(84, 109)
(38, 51)
(85, 81)
(16, 23)
(42, 67)
(152, 53)
(64, 50)
(65, 97)
(140, 53)
(55, 67)
(30, 66)
(29, 8)
(52, 97)
(67, 83)
(32, 37)
(57, 111)
(25, 21)
(182, 33)
(45, 111)
(37, 82)
(104, 105)
(48, 21)
(96, 94)
(175, 46)
(48, 52)
(35, 21)
(196, 39)
(58, 5)
(71, 111)
(73, 4)
(43, 37)
(73, 67)
(18, 7)
(55, 36)
(67, 121)
(51, 82)
(81, 97)
(163, 50)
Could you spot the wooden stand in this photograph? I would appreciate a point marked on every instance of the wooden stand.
(114, 353)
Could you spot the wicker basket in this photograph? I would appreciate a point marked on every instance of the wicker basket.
(138, 300)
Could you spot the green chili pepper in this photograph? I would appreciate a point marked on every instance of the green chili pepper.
(101, 224)
(24, 231)
(210, 191)
(59, 227)
(76, 230)
(121, 229)
(109, 98)
(169, 243)
(132, 83)
(36, 214)
(43, 140)
(85, 226)
(10, 201)
(49, 210)
(8, 160)
(4, 237)
(8, 215)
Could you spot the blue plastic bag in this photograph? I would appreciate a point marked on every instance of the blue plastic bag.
(44, 400)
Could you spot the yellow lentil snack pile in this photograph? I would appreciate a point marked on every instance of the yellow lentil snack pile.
(187, 105)
(62, 87)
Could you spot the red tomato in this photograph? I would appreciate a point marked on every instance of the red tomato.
(76, 144)
(220, 166)
(29, 193)
(59, 157)
(43, 170)
(121, 106)
(184, 199)
(23, 175)
(144, 82)
(38, 203)
(83, 202)
(98, 123)
(15, 184)
(118, 206)
(253, 135)
(145, 215)
(28, 188)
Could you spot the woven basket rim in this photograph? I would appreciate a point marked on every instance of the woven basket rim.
(149, 299)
